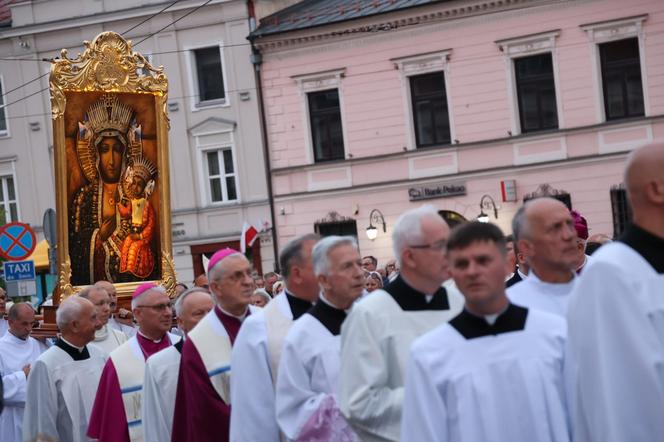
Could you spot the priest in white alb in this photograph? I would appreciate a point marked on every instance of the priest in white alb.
(162, 368)
(202, 404)
(116, 415)
(616, 319)
(18, 351)
(257, 349)
(120, 319)
(376, 336)
(495, 371)
(306, 400)
(63, 381)
(107, 338)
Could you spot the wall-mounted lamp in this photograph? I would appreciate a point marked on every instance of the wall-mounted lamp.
(377, 217)
(483, 217)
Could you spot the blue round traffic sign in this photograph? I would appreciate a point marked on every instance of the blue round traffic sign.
(17, 241)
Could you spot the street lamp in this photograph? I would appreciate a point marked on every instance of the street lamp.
(376, 216)
(483, 217)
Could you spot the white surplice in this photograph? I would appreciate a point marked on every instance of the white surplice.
(15, 354)
(616, 337)
(253, 416)
(534, 293)
(108, 339)
(503, 387)
(159, 389)
(375, 344)
(61, 392)
(307, 384)
(126, 329)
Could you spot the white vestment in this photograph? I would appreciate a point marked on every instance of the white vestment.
(4, 326)
(307, 384)
(108, 339)
(375, 344)
(252, 384)
(61, 392)
(537, 294)
(126, 329)
(479, 383)
(616, 338)
(159, 388)
(15, 354)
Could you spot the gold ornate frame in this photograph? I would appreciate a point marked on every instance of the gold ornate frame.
(108, 64)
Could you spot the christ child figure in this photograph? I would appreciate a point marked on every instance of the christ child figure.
(137, 257)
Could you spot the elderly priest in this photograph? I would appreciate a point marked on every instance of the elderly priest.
(202, 403)
(63, 381)
(116, 415)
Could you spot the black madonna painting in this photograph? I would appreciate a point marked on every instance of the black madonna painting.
(113, 202)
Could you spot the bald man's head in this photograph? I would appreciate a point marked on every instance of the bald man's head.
(644, 177)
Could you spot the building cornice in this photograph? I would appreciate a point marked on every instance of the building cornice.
(104, 17)
(391, 21)
(408, 154)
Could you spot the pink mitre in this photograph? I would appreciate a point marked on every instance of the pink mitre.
(143, 288)
(580, 224)
(220, 255)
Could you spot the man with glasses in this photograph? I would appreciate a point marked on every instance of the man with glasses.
(106, 338)
(376, 336)
(116, 415)
(202, 405)
(120, 319)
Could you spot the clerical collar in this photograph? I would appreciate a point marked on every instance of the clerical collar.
(328, 315)
(471, 326)
(298, 306)
(76, 353)
(239, 318)
(156, 341)
(554, 288)
(410, 299)
(521, 274)
(649, 246)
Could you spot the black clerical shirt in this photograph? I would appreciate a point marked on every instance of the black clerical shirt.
(72, 351)
(471, 326)
(649, 246)
(410, 299)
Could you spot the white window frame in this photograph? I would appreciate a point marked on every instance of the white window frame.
(204, 177)
(606, 32)
(419, 64)
(524, 46)
(315, 82)
(195, 102)
(4, 133)
(8, 170)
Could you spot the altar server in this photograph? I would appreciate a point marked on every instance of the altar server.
(202, 403)
(257, 350)
(116, 415)
(306, 400)
(545, 234)
(616, 323)
(376, 336)
(162, 368)
(18, 351)
(495, 371)
(107, 338)
(63, 381)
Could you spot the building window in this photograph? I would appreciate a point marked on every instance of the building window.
(326, 128)
(536, 92)
(621, 79)
(209, 74)
(336, 224)
(621, 210)
(8, 201)
(3, 115)
(221, 175)
(430, 116)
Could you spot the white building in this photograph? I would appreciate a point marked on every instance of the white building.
(216, 152)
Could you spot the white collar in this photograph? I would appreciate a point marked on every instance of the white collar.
(239, 318)
(150, 339)
(80, 349)
(521, 274)
(328, 302)
(18, 340)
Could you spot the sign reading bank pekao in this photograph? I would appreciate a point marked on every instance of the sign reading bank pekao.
(441, 190)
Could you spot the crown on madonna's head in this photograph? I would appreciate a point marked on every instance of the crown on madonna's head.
(109, 113)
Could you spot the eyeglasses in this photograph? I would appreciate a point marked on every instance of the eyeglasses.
(157, 307)
(439, 245)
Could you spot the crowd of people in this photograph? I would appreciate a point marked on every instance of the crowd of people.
(466, 336)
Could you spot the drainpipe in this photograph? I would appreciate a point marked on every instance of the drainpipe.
(256, 61)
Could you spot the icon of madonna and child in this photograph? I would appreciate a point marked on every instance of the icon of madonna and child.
(113, 231)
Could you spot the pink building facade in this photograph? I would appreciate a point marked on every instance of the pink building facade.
(377, 106)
